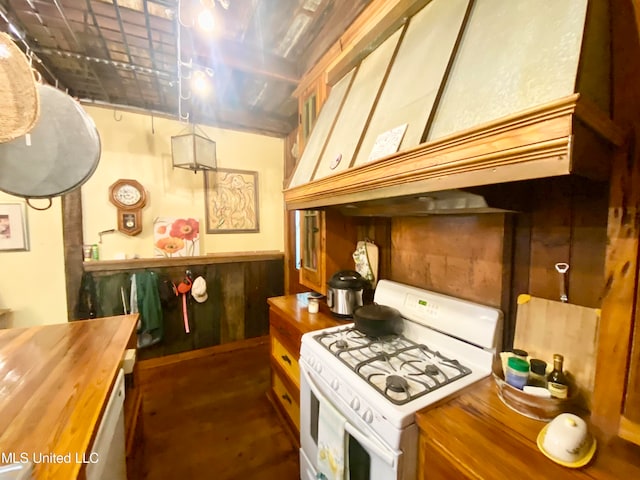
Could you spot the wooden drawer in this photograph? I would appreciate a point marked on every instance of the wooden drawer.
(288, 401)
(287, 333)
(286, 360)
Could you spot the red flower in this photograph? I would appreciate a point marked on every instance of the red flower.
(170, 245)
(186, 229)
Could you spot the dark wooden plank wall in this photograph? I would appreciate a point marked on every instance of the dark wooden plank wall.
(492, 258)
(569, 224)
(72, 238)
(236, 307)
(459, 255)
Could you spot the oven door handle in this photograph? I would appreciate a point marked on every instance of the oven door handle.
(385, 453)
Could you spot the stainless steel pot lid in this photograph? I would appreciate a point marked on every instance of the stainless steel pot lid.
(349, 279)
(58, 155)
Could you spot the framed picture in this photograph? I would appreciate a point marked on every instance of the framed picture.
(231, 201)
(176, 237)
(13, 227)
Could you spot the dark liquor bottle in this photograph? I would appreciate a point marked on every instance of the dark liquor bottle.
(557, 382)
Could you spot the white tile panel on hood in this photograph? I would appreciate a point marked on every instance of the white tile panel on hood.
(513, 56)
(357, 108)
(416, 74)
(322, 129)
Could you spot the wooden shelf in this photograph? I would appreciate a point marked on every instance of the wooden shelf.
(213, 258)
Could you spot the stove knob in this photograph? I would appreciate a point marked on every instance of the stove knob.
(368, 416)
(355, 403)
(317, 367)
(335, 384)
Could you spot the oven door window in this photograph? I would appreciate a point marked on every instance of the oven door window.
(359, 460)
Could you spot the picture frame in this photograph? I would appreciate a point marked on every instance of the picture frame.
(231, 201)
(176, 237)
(14, 235)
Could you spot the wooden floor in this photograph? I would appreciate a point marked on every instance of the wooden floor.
(209, 418)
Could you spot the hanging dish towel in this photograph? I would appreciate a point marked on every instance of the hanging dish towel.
(373, 259)
(366, 260)
(331, 443)
(150, 309)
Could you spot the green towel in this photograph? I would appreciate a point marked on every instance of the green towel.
(149, 305)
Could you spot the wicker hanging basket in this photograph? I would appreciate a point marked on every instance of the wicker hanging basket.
(19, 101)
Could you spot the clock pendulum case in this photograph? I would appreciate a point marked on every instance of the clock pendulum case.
(129, 197)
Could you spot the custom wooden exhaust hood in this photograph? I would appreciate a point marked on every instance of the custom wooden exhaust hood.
(495, 100)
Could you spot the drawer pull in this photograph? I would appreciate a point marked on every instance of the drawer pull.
(286, 359)
(287, 398)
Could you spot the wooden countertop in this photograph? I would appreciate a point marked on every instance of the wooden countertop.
(485, 439)
(295, 309)
(54, 381)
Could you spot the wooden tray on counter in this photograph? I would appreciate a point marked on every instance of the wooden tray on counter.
(531, 406)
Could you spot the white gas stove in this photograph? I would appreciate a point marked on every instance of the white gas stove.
(377, 384)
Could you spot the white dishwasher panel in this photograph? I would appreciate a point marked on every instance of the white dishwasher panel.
(110, 439)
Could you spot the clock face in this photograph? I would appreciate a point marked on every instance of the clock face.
(127, 195)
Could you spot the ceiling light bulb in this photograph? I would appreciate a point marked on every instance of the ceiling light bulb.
(4, 52)
(199, 83)
(205, 20)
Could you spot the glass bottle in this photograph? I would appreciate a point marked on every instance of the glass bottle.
(537, 374)
(557, 382)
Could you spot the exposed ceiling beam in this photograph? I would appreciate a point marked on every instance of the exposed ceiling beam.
(377, 21)
(222, 117)
(233, 54)
(246, 120)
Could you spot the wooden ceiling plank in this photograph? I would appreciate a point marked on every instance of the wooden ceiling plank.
(249, 60)
(376, 22)
(238, 119)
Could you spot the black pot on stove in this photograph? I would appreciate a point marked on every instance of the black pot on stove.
(344, 292)
(378, 320)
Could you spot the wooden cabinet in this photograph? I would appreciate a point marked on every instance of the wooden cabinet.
(311, 239)
(630, 421)
(288, 321)
(285, 372)
(327, 241)
(311, 97)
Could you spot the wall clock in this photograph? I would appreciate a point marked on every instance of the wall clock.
(130, 198)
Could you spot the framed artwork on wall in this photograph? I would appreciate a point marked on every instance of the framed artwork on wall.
(231, 201)
(176, 237)
(13, 227)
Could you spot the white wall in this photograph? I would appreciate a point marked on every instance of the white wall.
(133, 148)
(32, 283)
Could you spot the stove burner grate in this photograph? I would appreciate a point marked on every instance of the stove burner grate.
(396, 383)
(398, 368)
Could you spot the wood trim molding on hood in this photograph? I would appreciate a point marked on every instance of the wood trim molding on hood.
(535, 143)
